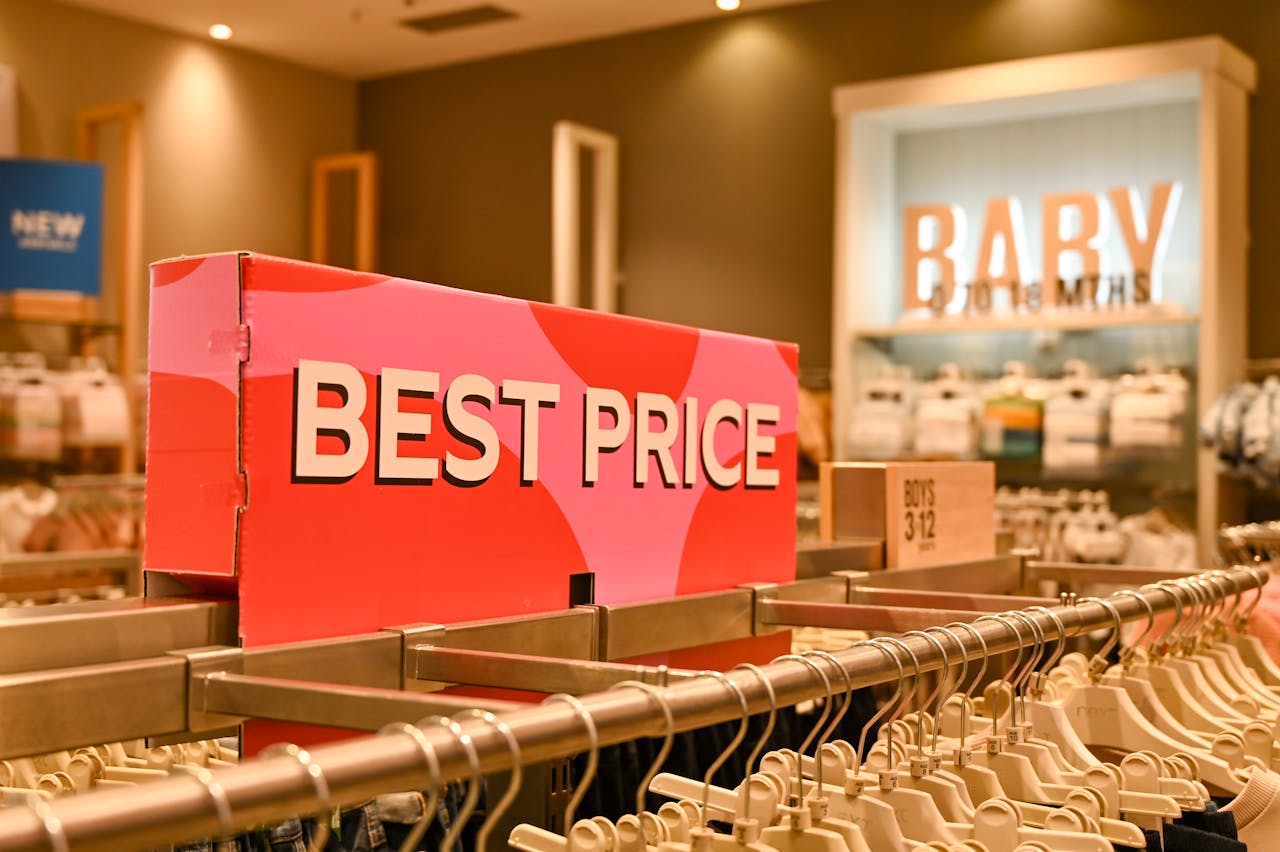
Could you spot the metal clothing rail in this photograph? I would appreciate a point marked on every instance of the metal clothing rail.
(188, 808)
(62, 673)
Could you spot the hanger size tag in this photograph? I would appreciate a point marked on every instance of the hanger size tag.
(888, 780)
(935, 762)
(962, 756)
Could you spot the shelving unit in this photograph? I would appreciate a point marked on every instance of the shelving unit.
(1081, 121)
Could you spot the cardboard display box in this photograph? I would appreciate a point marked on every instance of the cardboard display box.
(927, 513)
(346, 452)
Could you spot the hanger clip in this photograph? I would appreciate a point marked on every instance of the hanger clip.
(746, 831)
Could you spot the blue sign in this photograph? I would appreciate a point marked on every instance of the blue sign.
(50, 226)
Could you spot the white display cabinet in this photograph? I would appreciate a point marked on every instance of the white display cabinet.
(1082, 122)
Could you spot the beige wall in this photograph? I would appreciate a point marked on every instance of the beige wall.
(229, 135)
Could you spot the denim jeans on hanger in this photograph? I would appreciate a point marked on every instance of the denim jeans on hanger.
(401, 812)
(359, 830)
(239, 843)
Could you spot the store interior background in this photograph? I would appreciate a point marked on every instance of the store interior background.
(727, 141)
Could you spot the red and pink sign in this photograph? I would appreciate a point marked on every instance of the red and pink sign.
(350, 451)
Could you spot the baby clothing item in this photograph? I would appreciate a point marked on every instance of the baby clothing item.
(1147, 410)
(946, 418)
(1257, 811)
(1013, 415)
(881, 425)
(1075, 421)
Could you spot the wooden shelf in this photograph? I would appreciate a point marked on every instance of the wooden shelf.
(1047, 321)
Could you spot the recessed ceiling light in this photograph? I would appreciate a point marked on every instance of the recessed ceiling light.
(221, 32)
(728, 5)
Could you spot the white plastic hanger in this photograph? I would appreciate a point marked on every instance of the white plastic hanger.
(981, 782)
(1169, 685)
(1251, 650)
(1143, 693)
(745, 832)
(1207, 692)
(1228, 623)
(584, 835)
(877, 818)
(924, 770)
(641, 829)
(1106, 716)
(797, 831)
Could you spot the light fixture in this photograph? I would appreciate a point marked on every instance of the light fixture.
(221, 32)
(728, 5)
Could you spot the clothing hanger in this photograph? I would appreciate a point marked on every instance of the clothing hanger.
(1188, 794)
(53, 829)
(1228, 626)
(1168, 683)
(1192, 674)
(1062, 791)
(841, 747)
(1044, 760)
(583, 835)
(1105, 716)
(924, 770)
(513, 784)
(876, 818)
(819, 803)
(436, 785)
(796, 831)
(1048, 719)
(746, 836)
(472, 797)
(1251, 650)
(998, 823)
(643, 828)
(917, 812)
(1142, 692)
(319, 786)
(218, 796)
(1016, 772)
(981, 782)
(935, 757)
(712, 797)
(1225, 658)
(1246, 703)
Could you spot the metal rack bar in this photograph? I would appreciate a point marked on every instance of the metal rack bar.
(46, 711)
(894, 619)
(1119, 575)
(630, 630)
(537, 674)
(359, 708)
(871, 596)
(180, 809)
(109, 631)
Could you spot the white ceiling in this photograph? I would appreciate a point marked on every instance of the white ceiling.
(363, 38)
